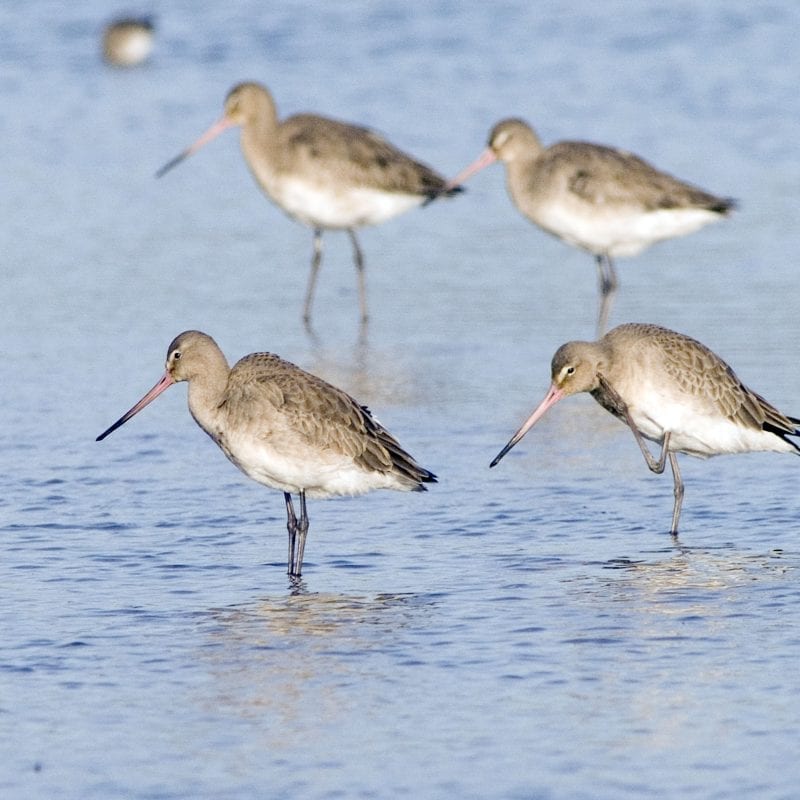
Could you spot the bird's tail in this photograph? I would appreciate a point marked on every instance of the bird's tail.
(785, 431)
(425, 476)
(724, 206)
(434, 194)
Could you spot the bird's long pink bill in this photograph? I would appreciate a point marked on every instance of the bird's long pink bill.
(488, 156)
(165, 382)
(215, 130)
(553, 395)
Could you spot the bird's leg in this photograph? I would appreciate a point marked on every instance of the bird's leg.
(608, 288)
(655, 465)
(678, 489)
(658, 468)
(302, 530)
(316, 260)
(614, 403)
(607, 274)
(291, 525)
(358, 258)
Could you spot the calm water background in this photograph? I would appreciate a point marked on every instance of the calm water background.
(529, 632)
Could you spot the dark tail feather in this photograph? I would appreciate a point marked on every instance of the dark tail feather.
(796, 422)
(434, 194)
(724, 206)
(785, 434)
(425, 476)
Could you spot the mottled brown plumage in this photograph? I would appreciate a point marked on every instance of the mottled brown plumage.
(285, 428)
(670, 389)
(606, 176)
(324, 173)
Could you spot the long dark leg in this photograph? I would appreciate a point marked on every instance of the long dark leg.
(358, 258)
(291, 525)
(607, 274)
(302, 531)
(316, 260)
(608, 288)
(678, 489)
(621, 409)
(655, 465)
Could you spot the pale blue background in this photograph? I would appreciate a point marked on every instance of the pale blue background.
(525, 632)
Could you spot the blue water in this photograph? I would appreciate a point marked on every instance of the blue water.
(524, 632)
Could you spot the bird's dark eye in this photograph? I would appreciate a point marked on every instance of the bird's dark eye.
(176, 356)
(570, 370)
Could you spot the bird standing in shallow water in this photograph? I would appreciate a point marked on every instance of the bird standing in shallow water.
(600, 199)
(327, 174)
(670, 389)
(285, 428)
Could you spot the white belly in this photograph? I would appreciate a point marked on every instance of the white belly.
(339, 206)
(695, 431)
(621, 231)
(319, 473)
(138, 47)
(131, 49)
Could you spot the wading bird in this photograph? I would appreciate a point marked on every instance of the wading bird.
(327, 174)
(285, 428)
(606, 201)
(670, 389)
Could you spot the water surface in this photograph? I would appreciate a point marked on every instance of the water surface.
(524, 632)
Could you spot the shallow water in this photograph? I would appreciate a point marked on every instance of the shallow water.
(524, 632)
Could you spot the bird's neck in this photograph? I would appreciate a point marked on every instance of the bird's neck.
(608, 397)
(519, 176)
(207, 392)
(260, 139)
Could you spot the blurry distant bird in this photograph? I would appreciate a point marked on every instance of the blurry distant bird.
(128, 42)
